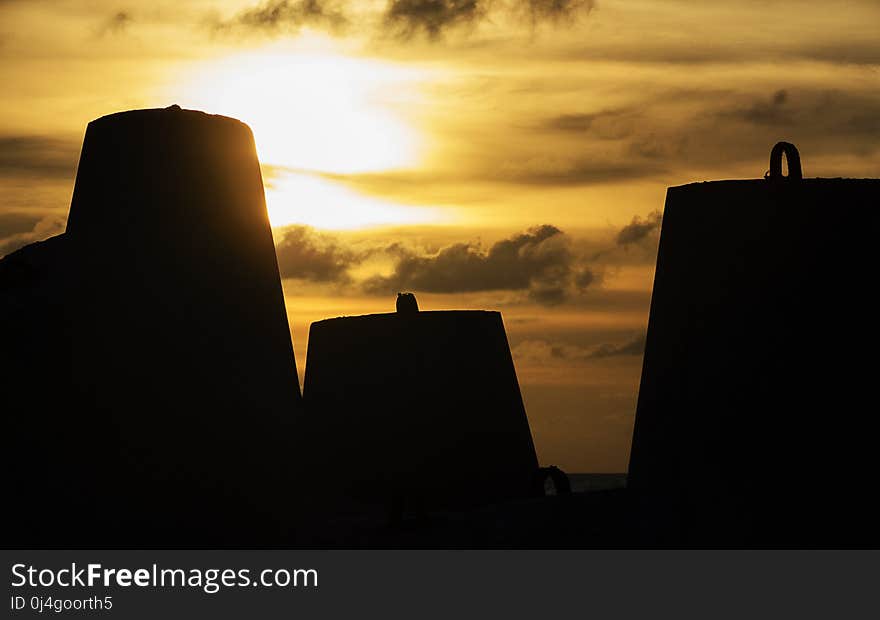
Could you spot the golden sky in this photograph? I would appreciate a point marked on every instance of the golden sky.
(508, 155)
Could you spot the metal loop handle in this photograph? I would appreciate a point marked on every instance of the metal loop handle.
(793, 158)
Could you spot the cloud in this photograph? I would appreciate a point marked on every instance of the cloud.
(17, 223)
(825, 113)
(570, 122)
(586, 277)
(612, 124)
(542, 264)
(287, 16)
(639, 228)
(822, 122)
(37, 156)
(18, 230)
(719, 45)
(523, 169)
(574, 171)
(115, 24)
(678, 135)
(772, 111)
(306, 255)
(635, 346)
(538, 262)
(555, 10)
(404, 19)
(540, 351)
(407, 18)
(842, 52)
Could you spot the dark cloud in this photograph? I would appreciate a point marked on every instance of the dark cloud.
(684, 135)
(673, 134)
(657, 147)
(571, 122)
(529, 170)
(844, 52)
(823, 123)
(307, 255)
(404, 19)
(17, 223)
(825, 114)
(772, 111)
(556, 10)
(834, 114)
(542, 264)
(602, 299)
(17, 231)
(613, 124)
(287, 16)
(407, 18)
(636, 346)
(538, 262)
(37, 156)
(865, 123)
(586, 277)
(116, 23)
(653, 50)
(576, 171)
(541, 351)
(550, 294)
(639, 228)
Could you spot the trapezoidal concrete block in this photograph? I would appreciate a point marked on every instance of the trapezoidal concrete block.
(753, 425)
(147, 352)
(423, 404)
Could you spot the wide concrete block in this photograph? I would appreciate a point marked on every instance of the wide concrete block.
(425, 405)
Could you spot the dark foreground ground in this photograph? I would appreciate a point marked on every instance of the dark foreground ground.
(593, 516)
(581, 520)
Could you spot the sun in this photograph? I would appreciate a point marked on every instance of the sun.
(315, 110)
(305, 198)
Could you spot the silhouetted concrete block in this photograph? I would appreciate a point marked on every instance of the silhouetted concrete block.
(754, 424)
(424, 405)
(406, 302)
(147, 354)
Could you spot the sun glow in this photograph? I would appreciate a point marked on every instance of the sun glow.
(316, 110)
(296, 198)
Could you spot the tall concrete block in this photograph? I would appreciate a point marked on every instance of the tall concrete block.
(754, 424)
(148, 365)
